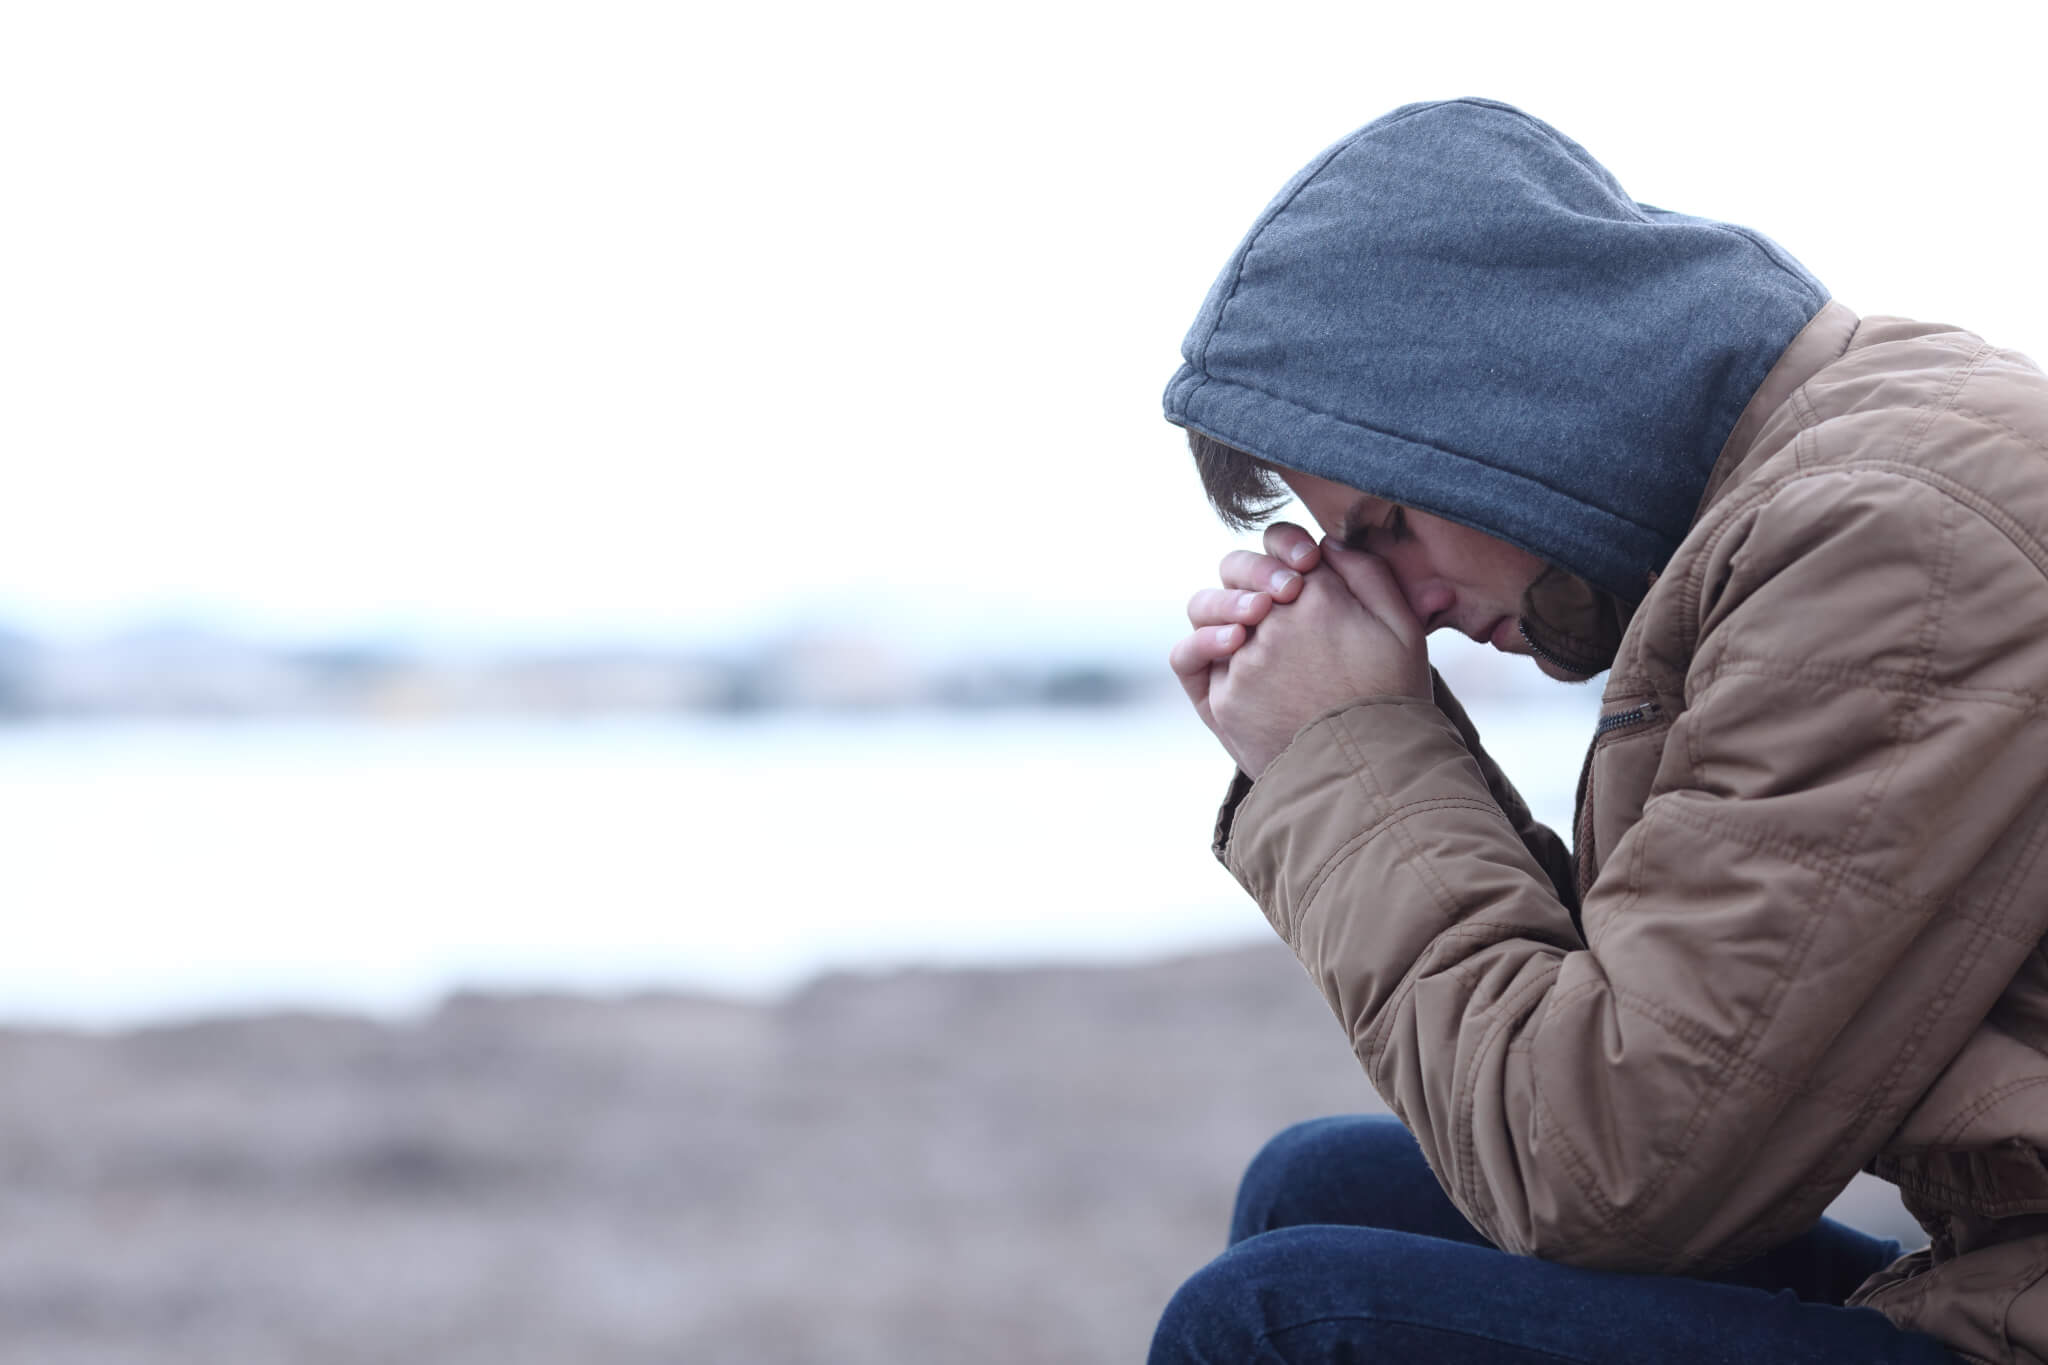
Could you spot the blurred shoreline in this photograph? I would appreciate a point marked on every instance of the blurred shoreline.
(188, 671)
(196, 672)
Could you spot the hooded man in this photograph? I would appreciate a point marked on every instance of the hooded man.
(1797, 934)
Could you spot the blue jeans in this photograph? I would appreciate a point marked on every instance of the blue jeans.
(1344, 1249)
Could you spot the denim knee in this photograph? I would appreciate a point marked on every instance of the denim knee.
(1325, 1171)
(1227, 1312)
(1216, 1315)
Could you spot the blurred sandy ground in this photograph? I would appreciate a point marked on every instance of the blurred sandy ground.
(1002, 1166)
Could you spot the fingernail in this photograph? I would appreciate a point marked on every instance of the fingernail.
(1247, 600)
(1226, 635)
(1284, 579)
(1301, 553)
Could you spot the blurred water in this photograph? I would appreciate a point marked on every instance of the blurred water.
(160, 869)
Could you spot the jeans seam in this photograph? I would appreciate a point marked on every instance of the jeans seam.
(1265, 1339)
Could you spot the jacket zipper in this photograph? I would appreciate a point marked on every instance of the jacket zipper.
(1635, 715)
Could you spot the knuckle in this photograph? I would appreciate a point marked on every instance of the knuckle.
(1243, 567)
(1220, 606)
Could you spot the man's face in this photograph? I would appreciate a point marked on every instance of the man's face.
(1451, 575)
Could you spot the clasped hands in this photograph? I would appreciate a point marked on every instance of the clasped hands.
(1294, 632)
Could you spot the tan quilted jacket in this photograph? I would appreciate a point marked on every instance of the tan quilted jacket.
(1810, 854)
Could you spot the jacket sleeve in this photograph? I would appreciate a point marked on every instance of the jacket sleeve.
(1819, 901)
(1550, 852)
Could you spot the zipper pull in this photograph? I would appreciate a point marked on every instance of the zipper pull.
(1640, 714)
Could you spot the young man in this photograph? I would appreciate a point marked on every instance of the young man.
(1797, 932)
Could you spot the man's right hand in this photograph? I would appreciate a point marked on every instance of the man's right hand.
(1223, 618)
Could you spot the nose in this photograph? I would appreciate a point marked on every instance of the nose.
(1429, 597)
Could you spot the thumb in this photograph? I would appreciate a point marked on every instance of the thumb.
(1372, 582)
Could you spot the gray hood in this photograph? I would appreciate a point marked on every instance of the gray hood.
(1458, 309)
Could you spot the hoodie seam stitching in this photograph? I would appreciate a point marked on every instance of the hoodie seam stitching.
(1781, 259)
(1778, 257)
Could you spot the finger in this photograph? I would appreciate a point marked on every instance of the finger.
(1291, 545)
(1197, 657)
(1221, 606)
(1193, 654)
(1371, 580)
(1255, 572)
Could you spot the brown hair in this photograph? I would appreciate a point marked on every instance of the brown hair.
(1243, 489)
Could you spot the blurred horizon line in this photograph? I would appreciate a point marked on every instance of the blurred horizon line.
(188, 669)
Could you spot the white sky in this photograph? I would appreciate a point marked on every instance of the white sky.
(519, 318)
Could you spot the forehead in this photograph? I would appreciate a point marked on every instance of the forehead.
(1336, 506)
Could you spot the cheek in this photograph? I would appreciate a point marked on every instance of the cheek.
(1419, 575)
(1516, 571)
(1492, 569)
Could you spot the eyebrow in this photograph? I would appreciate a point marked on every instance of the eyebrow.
(1352, 523)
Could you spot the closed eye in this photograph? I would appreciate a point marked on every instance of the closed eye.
(1394, 528)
